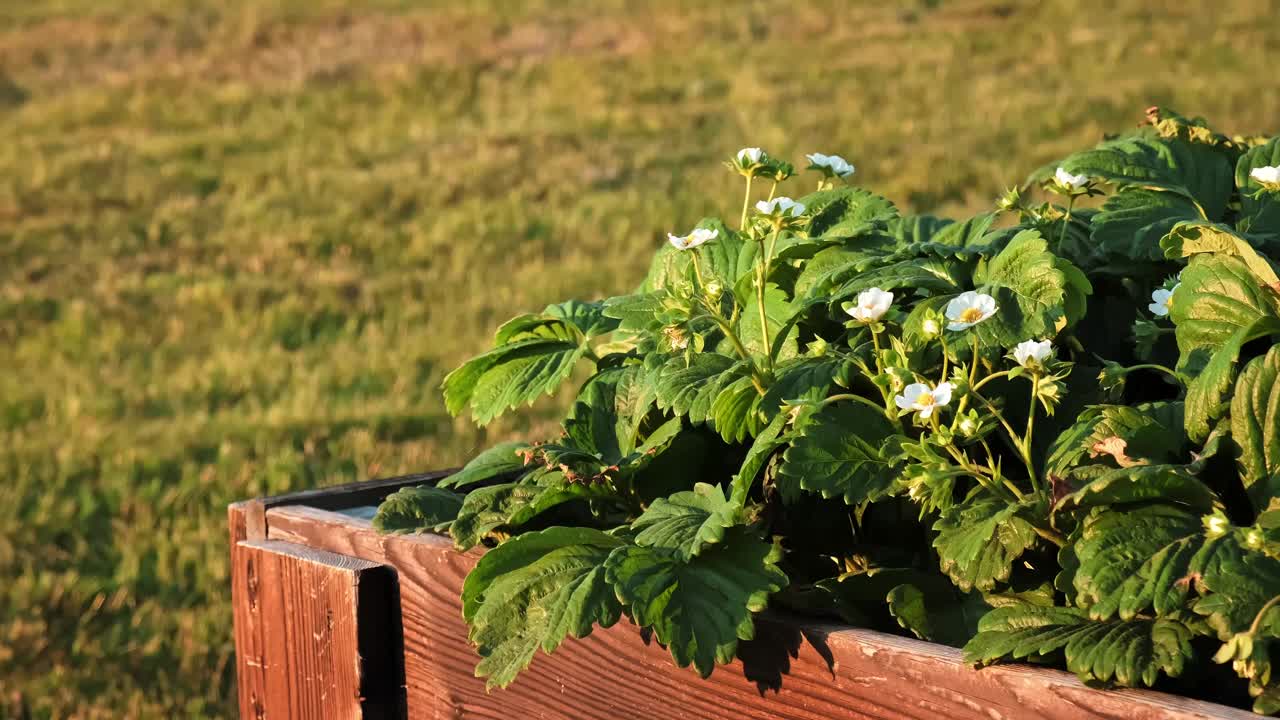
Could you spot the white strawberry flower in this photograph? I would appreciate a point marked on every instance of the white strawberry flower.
(830, 165)
(1267, 175)
(968, 309)
(1032, 354)
(781, 207)
(1161, 299)
(1068, 181)
(695, 238)
(1215, 525)
(923, 399)
(872, 305)
(750, 156)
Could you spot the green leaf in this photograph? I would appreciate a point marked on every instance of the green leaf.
(979, 540)
(803, 378)
(417, 509)
(1141, 483)
(534, 591)
(699, 609)
(687, 522)
(1030, 291)
(1255, 427)
(588, 318)
(861, 598)
(514, 373)
(726, 259)
(1142, 557)
(833, 265)
(1220, 306)
(971, 233)
(843, 451)
(778, 309)
(1218, 296)
(766, 442)
(735, 411)
(1193, 238)
(935, 610)
(1133, 221)
(1260, 211)
(498, 461)
(846, 212)
(533, 355)
(638, 312)
(1130, 652)
(935, 275)
(1208, 394)
(910, 229)
(511, 505)
(1151, 431)
(1235, 589)
(687, 387)
(1193, 170)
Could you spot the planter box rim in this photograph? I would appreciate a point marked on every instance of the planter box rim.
(835, 666)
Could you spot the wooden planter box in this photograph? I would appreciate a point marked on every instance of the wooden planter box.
(334, 620)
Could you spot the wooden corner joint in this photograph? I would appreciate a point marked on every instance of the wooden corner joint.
(317, 633)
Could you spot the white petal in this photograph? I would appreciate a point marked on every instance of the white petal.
(959, 304)
(942, 394)
(1266, 174)
(913, 391)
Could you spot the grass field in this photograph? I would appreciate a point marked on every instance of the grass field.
(242, 242)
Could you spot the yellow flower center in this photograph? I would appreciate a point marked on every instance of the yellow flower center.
(925, 399)
(1168, 302)
(971, 315)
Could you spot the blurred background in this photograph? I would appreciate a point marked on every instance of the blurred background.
(241, 242)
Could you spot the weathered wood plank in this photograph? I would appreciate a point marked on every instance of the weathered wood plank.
(797, 669)
(315, 634)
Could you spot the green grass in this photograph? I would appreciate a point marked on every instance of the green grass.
(241, 243)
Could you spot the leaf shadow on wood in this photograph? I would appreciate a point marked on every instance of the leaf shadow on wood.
(767, 657)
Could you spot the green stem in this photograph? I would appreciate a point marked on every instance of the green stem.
(762, 278)
(1066, 222)
(1031, 424)
(945, 359)
(973, 364)
(875, 342)
(974, 470)
(1051, 535)
(1015, 441)
(757, 378)
(773, 190)
(1159, 368)
(697, 271)
(989, 378)
(746, 203)
(1257, 620)
(865, 401)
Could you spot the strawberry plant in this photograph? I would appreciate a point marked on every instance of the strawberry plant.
(1046, 432)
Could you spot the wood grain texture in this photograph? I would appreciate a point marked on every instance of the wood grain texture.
(312, 632)
(796, 669)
